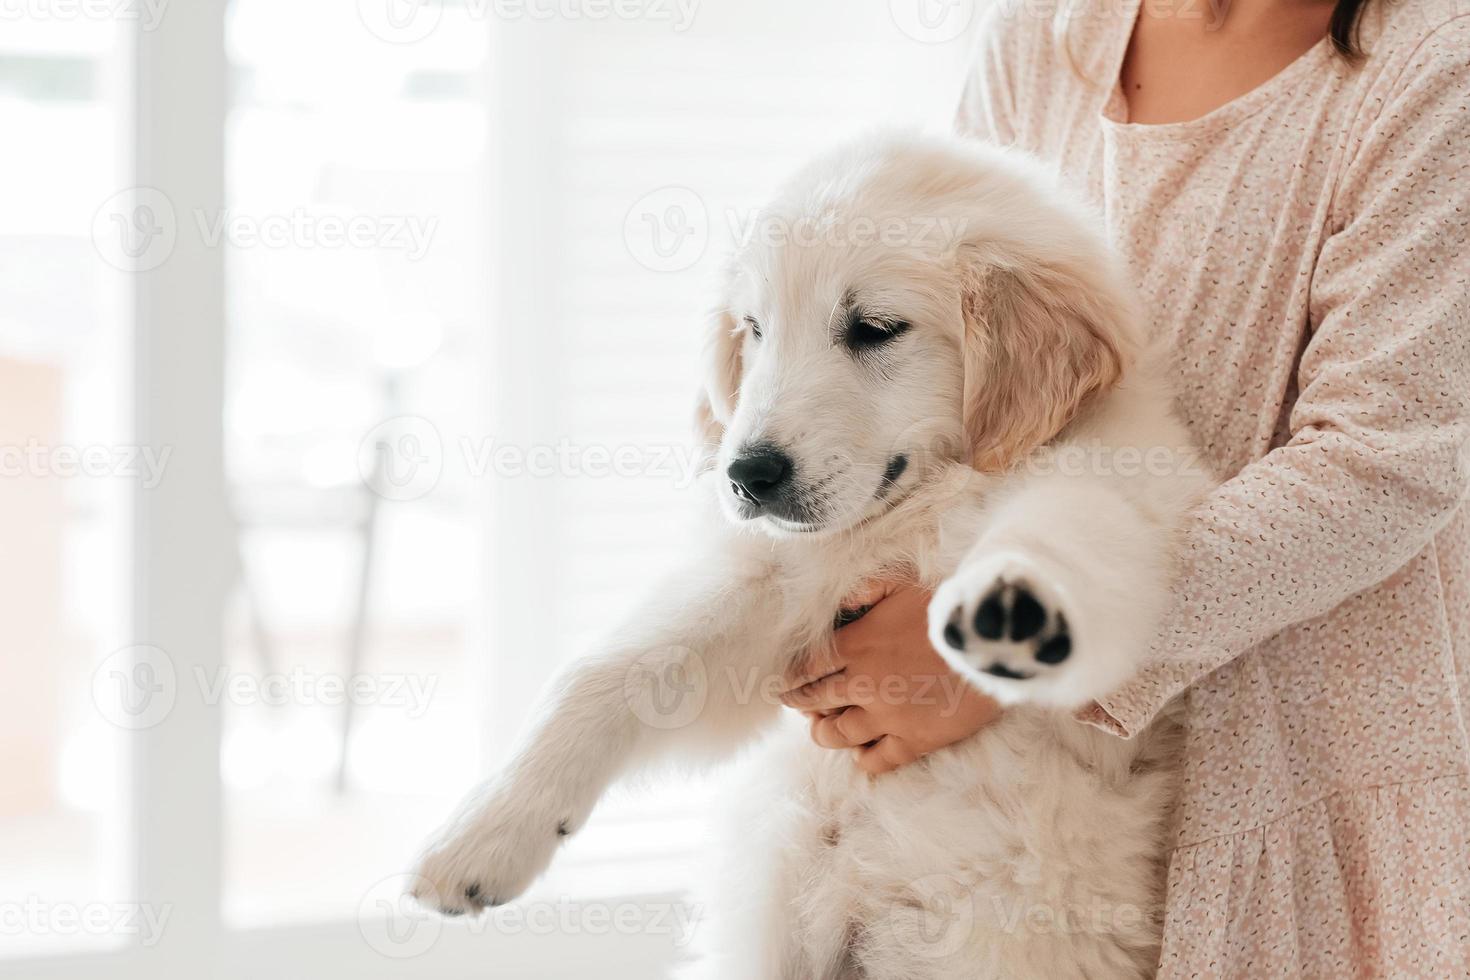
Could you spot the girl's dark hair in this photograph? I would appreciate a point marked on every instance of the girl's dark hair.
(1343, 28)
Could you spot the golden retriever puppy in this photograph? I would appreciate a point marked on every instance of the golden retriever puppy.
(925, 365)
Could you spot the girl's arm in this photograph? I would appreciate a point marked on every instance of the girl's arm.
(1377, 460)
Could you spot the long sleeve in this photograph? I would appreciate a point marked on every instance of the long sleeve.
(1376, 463)
(987, 106)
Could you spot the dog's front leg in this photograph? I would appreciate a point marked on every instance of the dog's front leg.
(690, 671)
(1057, 600)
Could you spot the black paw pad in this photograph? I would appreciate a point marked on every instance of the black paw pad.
(1027, 615)
(1059, 647)
(990, 617)
(1010, 615)
(954, 636)
(1001, 670)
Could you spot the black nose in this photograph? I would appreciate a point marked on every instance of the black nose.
(760, 473)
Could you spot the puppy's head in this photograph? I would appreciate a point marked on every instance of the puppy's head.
(903, 301)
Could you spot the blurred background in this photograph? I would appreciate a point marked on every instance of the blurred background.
(346, 361)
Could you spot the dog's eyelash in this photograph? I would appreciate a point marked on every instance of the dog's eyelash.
(754, 327)
(869, 332)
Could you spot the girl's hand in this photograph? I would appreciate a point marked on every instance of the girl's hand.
(885, 694)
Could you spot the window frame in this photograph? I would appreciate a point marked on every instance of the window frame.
(181, 570)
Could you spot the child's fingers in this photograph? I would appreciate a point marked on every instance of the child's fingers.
(845, 729)
(824, 695)
(885, 755)
(817, 664)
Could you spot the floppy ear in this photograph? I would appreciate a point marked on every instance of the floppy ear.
(721, 370)
(1039, 341)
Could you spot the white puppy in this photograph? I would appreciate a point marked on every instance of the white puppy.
(926, 367)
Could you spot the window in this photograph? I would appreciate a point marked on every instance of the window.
(377, 323)
(66, 472)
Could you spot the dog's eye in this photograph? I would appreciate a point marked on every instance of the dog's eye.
(866, 333)
(754, 327)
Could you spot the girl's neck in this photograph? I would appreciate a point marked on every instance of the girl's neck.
(1189, 57)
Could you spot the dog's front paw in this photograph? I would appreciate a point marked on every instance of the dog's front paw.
(487, 856)
(1004, 623)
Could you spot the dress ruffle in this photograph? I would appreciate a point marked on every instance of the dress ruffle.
(1367, 883)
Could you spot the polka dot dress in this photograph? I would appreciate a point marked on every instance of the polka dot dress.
(1306, 248)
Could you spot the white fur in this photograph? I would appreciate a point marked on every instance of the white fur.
(1030, 850)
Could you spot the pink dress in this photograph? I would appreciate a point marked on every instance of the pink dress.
(1307, 249)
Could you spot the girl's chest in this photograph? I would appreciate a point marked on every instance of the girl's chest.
(1219, 227)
